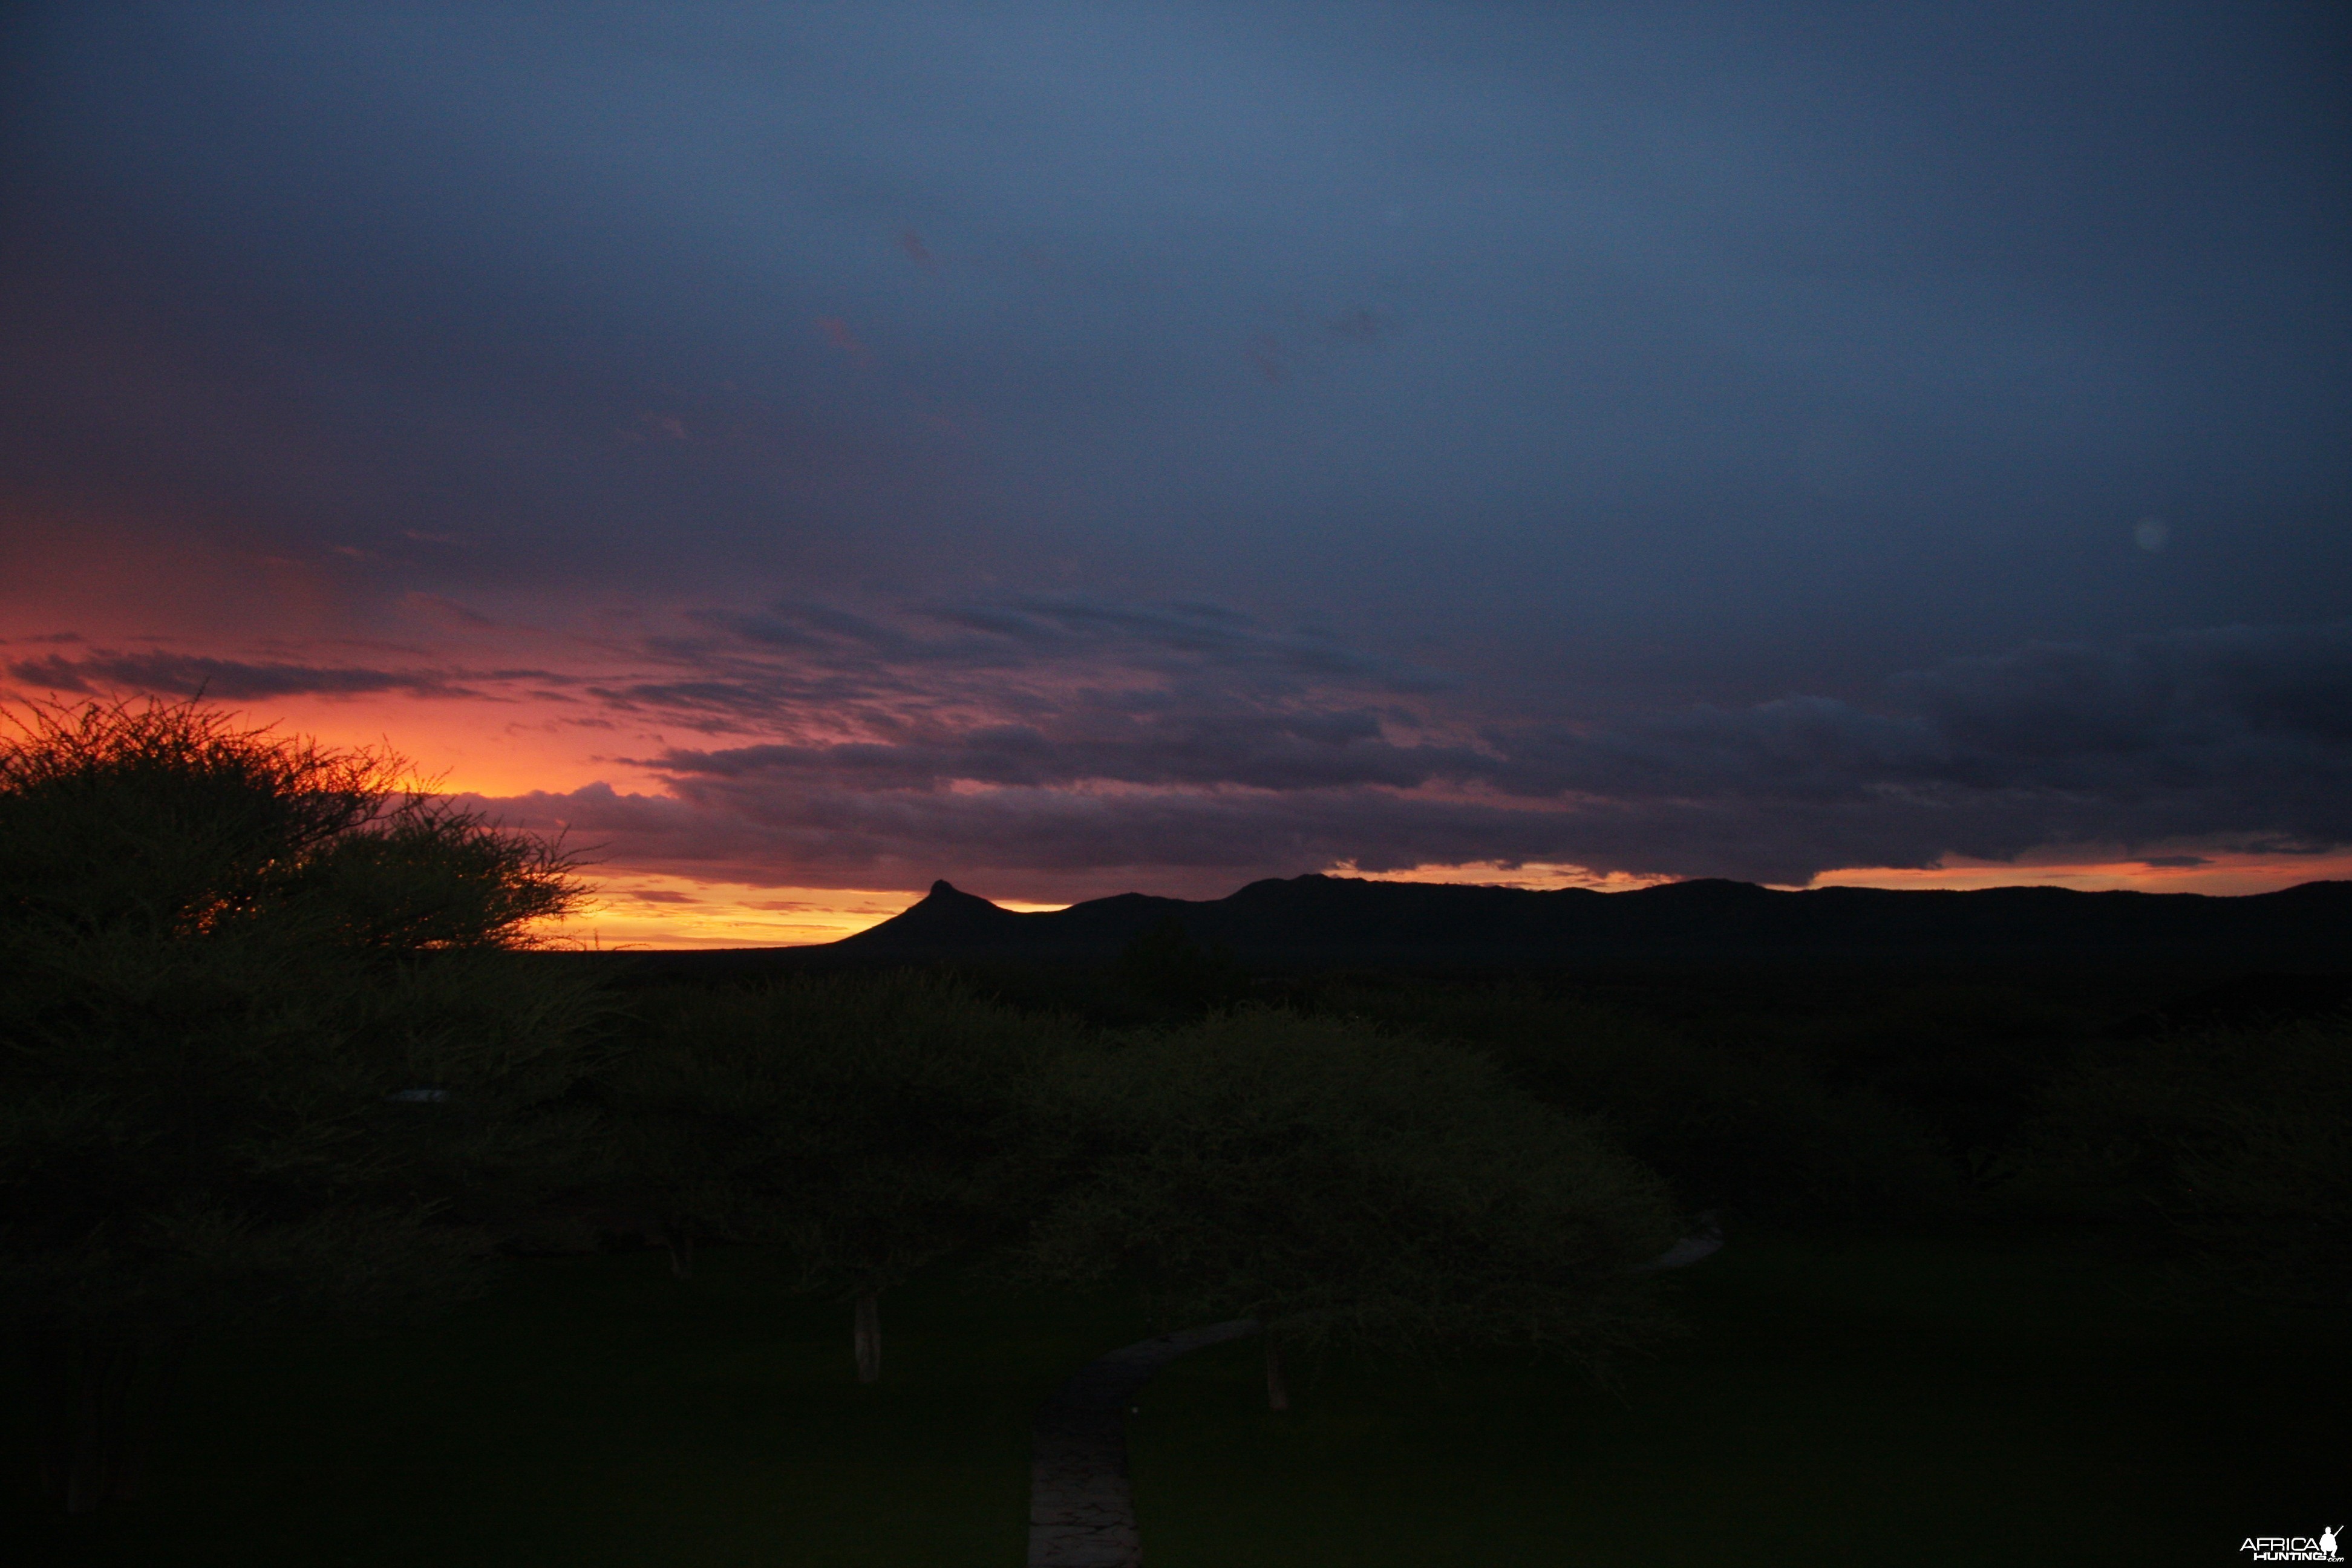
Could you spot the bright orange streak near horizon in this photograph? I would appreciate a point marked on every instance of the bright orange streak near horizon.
(2223, 873)
(656, 910)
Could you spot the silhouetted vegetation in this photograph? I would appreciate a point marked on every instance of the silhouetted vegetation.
(1758, 1136)
(271, 1051)
(1164, 969)
(869, 1125)
(2229, 1147)
(263, 1051)
(1339, 1183)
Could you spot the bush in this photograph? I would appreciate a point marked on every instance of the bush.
(1753, 1134)
(227, 952)
(2231, 1145)
(1338, 1183)
(867, 1123)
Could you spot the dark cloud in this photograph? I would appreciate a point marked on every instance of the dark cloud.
(1809, 342)
(1281, 751)
(2233, 731)
(186, 675)
(2235, 735)
(1024, 842)
(1214, 437)
(1180, 635)
(2263, 711)
(800, 661)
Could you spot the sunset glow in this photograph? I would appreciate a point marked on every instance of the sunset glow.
(2219, 873)
(788, 475)
(651, 910)
(533, 723)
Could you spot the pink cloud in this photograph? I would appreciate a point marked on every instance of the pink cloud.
(912, 243)
(836, 332)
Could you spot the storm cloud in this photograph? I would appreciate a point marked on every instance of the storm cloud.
(236, 681)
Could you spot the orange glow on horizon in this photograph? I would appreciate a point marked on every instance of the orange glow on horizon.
(2220, 872)
(464, 747)
(1539, 877)
(502, 701)
(655, 910)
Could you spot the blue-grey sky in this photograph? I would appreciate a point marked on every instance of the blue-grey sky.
(1094, 445)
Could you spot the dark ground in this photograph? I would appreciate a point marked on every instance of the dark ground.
(1974, 1399)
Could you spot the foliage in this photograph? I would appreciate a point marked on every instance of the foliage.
(1338, 1182)
(228, 953)
(863, 1121)
(1753, 1133)
(170, 820)
(2235, 1144)
(1166, 970)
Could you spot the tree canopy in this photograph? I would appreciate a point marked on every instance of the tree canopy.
(174, 820)
(1338, 1182)
(231, 953)
(867, 1123)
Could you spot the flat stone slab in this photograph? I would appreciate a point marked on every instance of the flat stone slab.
(1081, 1508)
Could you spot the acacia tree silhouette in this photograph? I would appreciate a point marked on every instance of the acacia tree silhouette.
(233, 956)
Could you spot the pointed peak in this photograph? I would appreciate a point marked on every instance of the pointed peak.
(947, 914)
(946, 893)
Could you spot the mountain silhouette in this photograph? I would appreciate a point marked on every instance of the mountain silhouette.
(1325, 921)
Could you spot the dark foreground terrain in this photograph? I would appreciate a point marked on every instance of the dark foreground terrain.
(339, 1226)
(2044, 1259)
(1942, 1401)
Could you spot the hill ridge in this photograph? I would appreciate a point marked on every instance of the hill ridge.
(1342, 920)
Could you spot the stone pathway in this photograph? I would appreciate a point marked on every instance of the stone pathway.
(1081, 1510)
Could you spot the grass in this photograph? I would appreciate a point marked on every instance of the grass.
(1949, 1402)
(1862, 1403)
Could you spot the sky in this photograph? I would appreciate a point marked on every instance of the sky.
(799, 452)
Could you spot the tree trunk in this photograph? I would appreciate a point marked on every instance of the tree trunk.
(96, 1415)
(99, 1406)
(1277, 1393)
(53, 1352)
(140, 1428)
(680, 1242)
(869, 1337)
